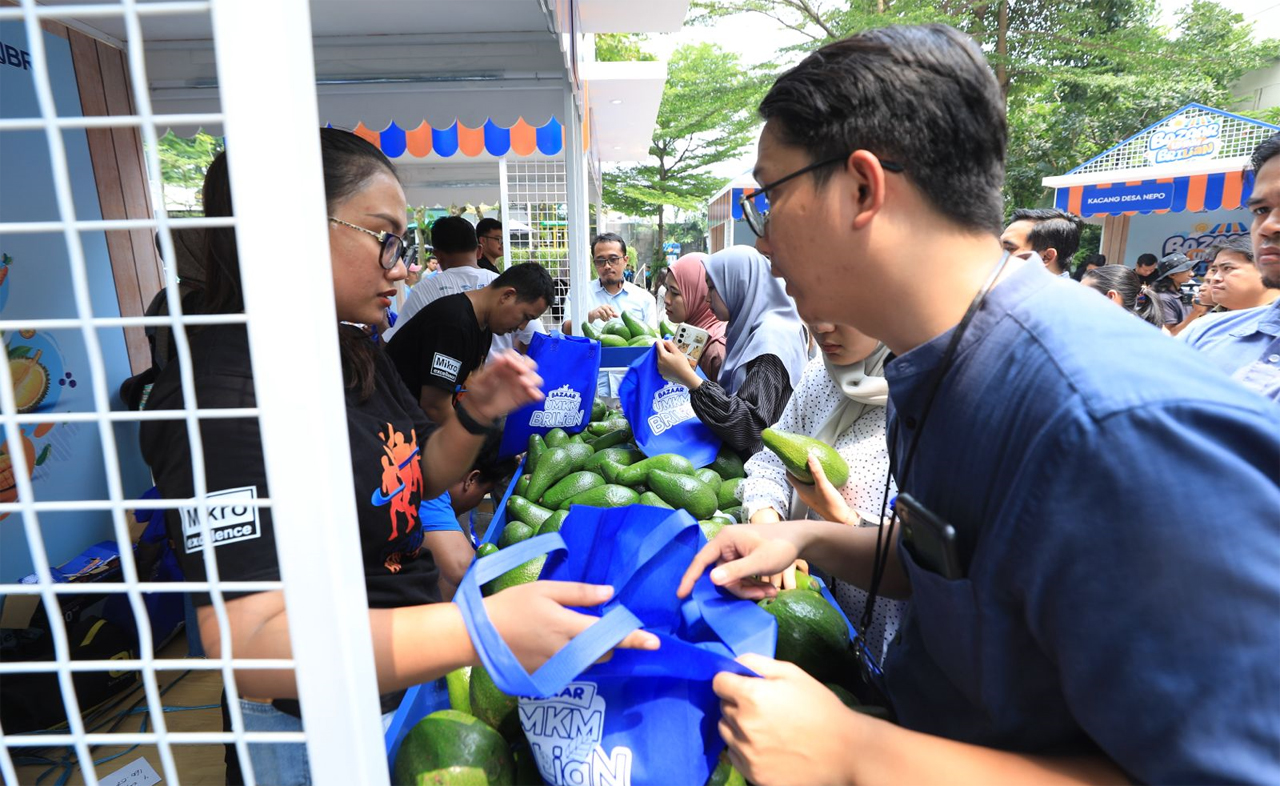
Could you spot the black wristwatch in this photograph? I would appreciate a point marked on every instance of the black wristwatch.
(472, 425)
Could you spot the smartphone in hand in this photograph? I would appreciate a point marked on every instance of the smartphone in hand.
(692, 341)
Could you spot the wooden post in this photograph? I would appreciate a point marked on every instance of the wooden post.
(102, 75)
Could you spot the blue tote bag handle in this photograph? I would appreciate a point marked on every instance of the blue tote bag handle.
(737, 624)
(601, 540)
(576, 656)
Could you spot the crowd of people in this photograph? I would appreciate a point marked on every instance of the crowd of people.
(1072, 632)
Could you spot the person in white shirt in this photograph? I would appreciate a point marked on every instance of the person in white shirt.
(840, 401)
(610, 295)
(1053, 234)
(454, 244)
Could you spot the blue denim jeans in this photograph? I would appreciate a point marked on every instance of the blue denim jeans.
(280, 763)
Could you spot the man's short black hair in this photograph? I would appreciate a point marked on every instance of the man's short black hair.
(487, 225)
(608, 237)
(921, 96)
(453, 235)
(1147, 259)
(1238, 245)
(492, 467)
(1264, 152)
(530, 280)
(1052, 228)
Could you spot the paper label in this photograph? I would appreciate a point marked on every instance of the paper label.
(138, 773)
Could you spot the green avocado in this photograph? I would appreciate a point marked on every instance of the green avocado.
(727, 494)
(683, 491)
(570, 485)
(637, 328)
(727, 464)
(537, 446)
(606, 496)
(521, 509)
(795, 449)
(811, 634)
(616, 327)
(514, 532)
(450, 748)
(653, 500)
(667, 462)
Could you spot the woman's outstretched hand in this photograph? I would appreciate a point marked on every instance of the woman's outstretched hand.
(674, 365)
(821, 497)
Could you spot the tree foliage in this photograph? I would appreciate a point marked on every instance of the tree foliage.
(183, 162)
(706, 117)
(1078, 76)
(621, 47)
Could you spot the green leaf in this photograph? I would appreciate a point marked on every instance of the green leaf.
(701, 122)
(17, 352)
(1079, 76)
(621, 47)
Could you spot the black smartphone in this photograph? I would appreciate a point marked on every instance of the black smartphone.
(931, 540)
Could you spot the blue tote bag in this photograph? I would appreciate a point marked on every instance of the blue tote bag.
(568, 366)
(644, 717)
(661, 417)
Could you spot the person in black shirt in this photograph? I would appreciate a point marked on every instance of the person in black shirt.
(398, 458)
(489, 234)
(766, 351)
(441, 345)
(1145, 267)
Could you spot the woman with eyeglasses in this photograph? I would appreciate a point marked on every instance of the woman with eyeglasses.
(398, 458)
(765, 351)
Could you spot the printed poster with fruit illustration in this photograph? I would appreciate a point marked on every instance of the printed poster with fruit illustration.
(50, 374)
(40, 380)
(50, 368)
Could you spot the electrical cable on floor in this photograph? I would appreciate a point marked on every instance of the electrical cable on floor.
(98, 719)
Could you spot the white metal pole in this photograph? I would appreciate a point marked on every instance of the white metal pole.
(298, 380)
(504, 203)
(576, 210)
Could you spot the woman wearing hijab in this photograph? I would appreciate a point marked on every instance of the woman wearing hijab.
(765, 351)
(840, 401)
(686, 301)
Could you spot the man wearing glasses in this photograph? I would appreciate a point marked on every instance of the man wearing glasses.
(611, 294)
(489, 233)
(1061, 627)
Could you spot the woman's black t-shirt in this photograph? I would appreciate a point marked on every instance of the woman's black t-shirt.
(386, 433)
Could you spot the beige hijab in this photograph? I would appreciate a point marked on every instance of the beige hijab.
(862, 386)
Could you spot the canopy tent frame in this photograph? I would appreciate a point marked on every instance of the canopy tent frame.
(1193, 160)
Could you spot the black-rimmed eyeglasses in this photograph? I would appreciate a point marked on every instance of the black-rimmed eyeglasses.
(393, 247)
(759, 222)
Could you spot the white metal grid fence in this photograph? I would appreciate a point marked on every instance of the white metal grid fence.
(1226, 136)
(320, 566)
(537, 196)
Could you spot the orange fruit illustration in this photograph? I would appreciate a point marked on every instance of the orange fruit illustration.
(8, 481)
